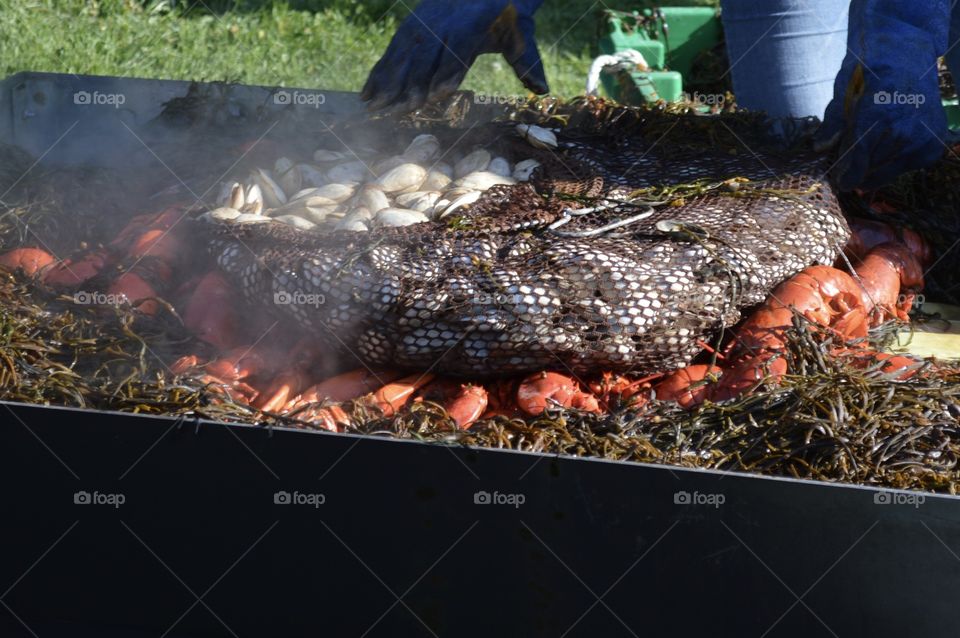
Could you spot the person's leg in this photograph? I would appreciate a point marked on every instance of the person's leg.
(785, 54)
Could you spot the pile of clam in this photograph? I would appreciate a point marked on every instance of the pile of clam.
(359, 190)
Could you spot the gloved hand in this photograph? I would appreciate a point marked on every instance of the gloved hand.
(886, 116)
(437, 44)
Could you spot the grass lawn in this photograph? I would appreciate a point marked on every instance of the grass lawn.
(328, 44)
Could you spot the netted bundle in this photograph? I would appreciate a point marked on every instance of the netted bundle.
(577, 270)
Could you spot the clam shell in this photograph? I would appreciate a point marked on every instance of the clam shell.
(290, 178)
(478, 160)
(444, 168)
(420, 201)
(282, 165)
(422, 149)
(405, 177)
(461, 201)
(248, 218)
(436, 181)
(237, 197)
(252, 208)
(311, 176)
(313, 193)
(221, 214)
(384, 165)
(253, 200)
(323, 155)
(315, 209)
(337, 192)
(273, 194)
(295, 221)
(456, 192)
(355, 171)
(398, 217)
(360, 214)
(524, 169)
(253, 194)
(499, 166)
(438, 208)
(373, 199)
(482, 180)
(537, 136)
(352, 224)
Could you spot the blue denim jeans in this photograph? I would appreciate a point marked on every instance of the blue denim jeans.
(785, 54)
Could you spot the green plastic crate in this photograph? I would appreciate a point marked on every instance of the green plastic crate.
(690, 31)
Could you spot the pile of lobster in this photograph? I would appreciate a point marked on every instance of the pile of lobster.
(279, 374)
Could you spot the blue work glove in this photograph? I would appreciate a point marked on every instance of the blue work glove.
(886, 116)
(437, 44)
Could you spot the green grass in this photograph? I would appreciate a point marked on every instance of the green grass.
(312, 43)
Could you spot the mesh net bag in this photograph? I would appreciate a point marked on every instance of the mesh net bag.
(640, 236)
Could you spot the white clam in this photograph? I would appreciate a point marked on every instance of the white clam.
(482, 180)
(253, 194)
(252, 200)
(398, 217)
(387, 164)
(352, 224)
(373, 199)
(355, 171)
(295, 221)
(420, 201)
(222, 214)
(478, 160)
(323, 155)
(313, 193)
(524, 169)
(282, 165)
(288, 176)
(461, 201)
(315, 209)
(439, 207)
(237, 197)
(422, 149)
(311, 175)
(499, 166)
(537, 136)
(248, 218)
(273, 194)
(436, 181)
(360, 214)
(337, 192)
(405, 177)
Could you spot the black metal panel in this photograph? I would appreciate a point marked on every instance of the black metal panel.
(400, 520)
